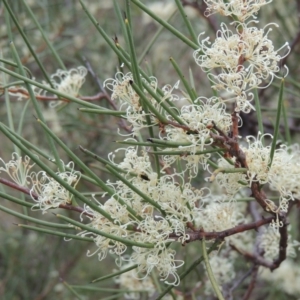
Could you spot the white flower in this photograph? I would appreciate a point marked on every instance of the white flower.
(103, 243)
(163, 260)
(283, 175)
(269, 243)
(69, 82)
(286, 278)
(122, 90)
(50, 193)
(134, 163)
(200, 118)
(17, 169)
(240, 8)
(229, 181)
(131, 282)
(219, 215)
(180, 201)
(257, 158)
(223, 270)
(245, 59)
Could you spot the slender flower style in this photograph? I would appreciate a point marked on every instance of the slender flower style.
(104, 244)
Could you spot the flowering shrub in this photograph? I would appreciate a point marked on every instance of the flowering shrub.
(183, 173)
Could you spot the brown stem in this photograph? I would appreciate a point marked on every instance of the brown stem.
(261, 197)
(283, 242)
(256, 258)
(198, 235)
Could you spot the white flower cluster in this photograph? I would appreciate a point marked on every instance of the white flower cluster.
(130, 281)
(152, 209)
(219, 214)
(269, 240)
(230, 182)
(175, 204)
(283, 175)
(44, 190)
(286, 278)
(136, 286)
(200, 118)
(68, 82)
(245, 59)
(50, 193)
(223, 269)
(240, 8)
(122, 90)
(17, 169)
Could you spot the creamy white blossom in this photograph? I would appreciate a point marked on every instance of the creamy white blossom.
(130, 281)
(240, 8)
(230, 182)
(200, 119)
(69, 82)
(104, 244)
(129, 100)
(161, 259)
(48, 193)
(269, 241)
(219, 215)
(223, 269)
(17, 169)
(286, 278)
(283, 175)
(245, 60)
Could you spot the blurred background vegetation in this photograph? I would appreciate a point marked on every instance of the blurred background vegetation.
(36, 266)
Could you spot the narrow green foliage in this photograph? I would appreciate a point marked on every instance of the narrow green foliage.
(277, 122)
